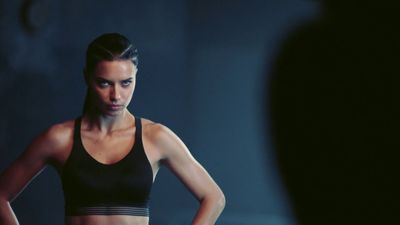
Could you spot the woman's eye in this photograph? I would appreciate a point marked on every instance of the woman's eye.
(126, 83)
(103, 83)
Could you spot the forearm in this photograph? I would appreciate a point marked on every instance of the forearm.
(7, 216)
(209, 211)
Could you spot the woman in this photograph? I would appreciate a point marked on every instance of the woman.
(108, 158)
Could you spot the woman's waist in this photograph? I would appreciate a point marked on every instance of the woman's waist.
(106, 220)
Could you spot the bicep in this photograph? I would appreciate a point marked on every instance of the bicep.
(22, 170)
(193, 176)
(181, 162)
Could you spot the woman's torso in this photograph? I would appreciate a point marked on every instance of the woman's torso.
(108, 149)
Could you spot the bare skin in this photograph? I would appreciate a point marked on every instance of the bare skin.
(113, 126)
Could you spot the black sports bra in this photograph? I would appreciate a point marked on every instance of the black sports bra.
(93, 188)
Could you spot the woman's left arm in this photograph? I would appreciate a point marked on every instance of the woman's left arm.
(176, 156)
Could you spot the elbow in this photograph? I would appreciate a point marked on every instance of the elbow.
(216, 200)
(221, 204)
(4, 201)
(4, 197)
(220, 201)
(4, 204)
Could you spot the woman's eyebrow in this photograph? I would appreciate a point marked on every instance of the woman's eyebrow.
(102, 79)
(129, 79)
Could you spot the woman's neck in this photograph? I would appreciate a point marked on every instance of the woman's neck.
(107, 123)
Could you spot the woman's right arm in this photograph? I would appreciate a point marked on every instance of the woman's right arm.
(18, 175)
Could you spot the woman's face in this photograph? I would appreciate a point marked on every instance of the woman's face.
(112, 84)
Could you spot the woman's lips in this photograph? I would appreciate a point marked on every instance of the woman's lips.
(115, 107)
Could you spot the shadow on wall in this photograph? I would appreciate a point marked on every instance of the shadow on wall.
(335, 106)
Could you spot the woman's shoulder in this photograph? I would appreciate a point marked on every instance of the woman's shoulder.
(61, 129)
(153, 129)
(52, 143)
(159, 135)
(58, 135)
(147, 123)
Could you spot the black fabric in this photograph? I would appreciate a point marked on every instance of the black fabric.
(87, 182)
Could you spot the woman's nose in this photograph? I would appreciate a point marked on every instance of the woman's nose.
(115, 94)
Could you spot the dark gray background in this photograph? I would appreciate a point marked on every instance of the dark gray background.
(204, 72)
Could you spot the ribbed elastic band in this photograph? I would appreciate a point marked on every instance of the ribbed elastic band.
(111, 210)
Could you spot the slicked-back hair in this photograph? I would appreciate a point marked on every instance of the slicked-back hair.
(110, 47)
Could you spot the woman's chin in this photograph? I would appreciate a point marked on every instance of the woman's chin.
(113, 112)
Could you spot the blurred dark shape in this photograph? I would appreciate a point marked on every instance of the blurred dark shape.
(36, 14)
(334, 101)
